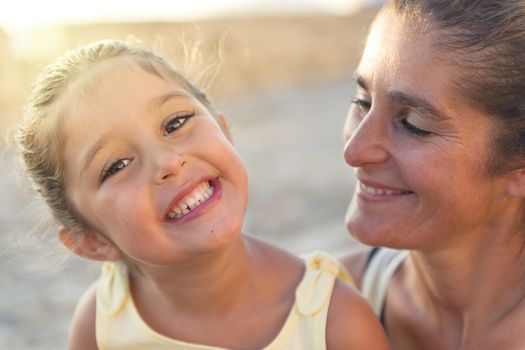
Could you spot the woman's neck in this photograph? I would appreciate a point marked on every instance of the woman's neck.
(474, 283)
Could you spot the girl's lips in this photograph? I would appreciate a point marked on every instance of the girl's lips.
(193, 199)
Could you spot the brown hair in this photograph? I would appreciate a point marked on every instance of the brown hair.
(39, 136)
(487, 42)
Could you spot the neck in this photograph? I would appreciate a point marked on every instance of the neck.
(208, 277)
(460, 282)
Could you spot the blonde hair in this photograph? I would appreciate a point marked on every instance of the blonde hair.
(39, 135)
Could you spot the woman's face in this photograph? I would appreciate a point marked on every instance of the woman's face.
(419, 150)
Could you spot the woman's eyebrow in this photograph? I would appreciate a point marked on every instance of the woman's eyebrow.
(419, 104)
(360, 81)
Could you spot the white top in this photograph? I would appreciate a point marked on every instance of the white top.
(120, 326)
(378, 274)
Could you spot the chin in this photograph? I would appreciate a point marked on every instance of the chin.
(371, 235)
(369, 229)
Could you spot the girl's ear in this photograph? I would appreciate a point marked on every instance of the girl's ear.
(225, 126)
(89, 244)
(516, 185)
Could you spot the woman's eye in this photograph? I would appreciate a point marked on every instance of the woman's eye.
(113, 168)
(413, 130)
(176, 122)
(362, 104)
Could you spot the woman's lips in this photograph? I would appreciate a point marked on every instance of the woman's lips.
(381, 191)
(373, 191)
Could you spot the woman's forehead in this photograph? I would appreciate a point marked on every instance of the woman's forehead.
(401, 61)
(393, 47)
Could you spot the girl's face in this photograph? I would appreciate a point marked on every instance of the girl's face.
(149, 167)
(419, 151)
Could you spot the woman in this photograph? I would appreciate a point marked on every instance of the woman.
(436, 134)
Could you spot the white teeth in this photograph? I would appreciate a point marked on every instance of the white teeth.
(193, 200)
(378, 191)
(192, 203)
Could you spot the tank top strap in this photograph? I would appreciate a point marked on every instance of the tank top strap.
(112, 288)
(315, 289)
(377, 275)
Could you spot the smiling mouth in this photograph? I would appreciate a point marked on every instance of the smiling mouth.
(374, 191)
(196, 198)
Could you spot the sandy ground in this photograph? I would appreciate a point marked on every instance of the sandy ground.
(291, 142)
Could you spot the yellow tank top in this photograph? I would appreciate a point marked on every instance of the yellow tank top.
(119, 325)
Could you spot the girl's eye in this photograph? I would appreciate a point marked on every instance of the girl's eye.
(113, 168)
(176, 122)
(413, 130)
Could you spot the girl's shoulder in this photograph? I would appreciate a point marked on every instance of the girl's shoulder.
(351, 322)
(82, 330)
(273, 256)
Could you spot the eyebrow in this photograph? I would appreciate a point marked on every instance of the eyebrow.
(162, 99)
(419, 104)
(101, 142)
(360, 81)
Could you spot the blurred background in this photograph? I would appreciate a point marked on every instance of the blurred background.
(280, 70)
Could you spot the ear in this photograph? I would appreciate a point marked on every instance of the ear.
(225, 126)
(516, 185)
(89, 244)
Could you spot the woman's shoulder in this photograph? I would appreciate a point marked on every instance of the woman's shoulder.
(373, 264)
(82, 330)
(355, 264)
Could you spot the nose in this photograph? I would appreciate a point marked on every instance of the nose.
(365, 139)
(167, 163)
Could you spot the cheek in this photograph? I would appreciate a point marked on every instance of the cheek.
(129, 205)
(442, 179)
(123, 210)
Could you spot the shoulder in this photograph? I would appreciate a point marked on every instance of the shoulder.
(271, 255)
(355, 264)
(351, 322)
(82, 330)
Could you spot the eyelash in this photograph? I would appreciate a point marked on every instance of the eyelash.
(412, 130)
(113, 168)
(181, 118)
(362, 104)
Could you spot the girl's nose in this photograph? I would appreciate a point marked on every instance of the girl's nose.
(365, 140)
(167, 163)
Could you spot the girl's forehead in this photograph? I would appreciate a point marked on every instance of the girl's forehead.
(106, 72)
(123, 78)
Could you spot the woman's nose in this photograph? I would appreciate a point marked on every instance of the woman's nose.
(167, 163)
(365, 140)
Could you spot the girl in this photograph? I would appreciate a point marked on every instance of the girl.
(139, 170)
